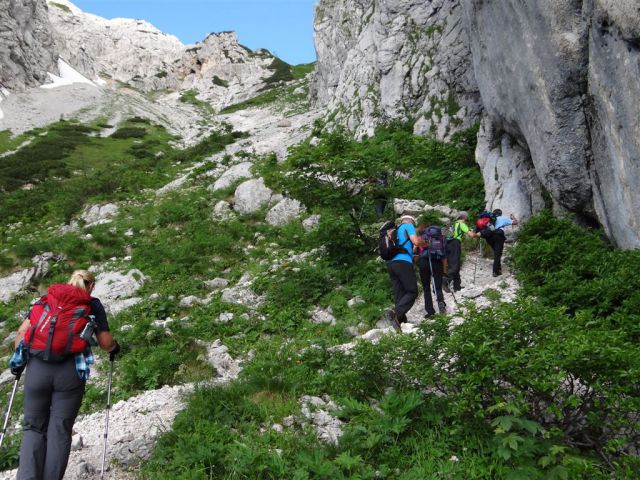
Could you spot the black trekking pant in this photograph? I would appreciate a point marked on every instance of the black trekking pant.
(52, 396)
(454, 262)
(426, 267)
(405, 287)
(496, 241)
(380, 205)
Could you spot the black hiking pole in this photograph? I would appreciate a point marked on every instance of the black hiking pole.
(6, 417)
(106, 423)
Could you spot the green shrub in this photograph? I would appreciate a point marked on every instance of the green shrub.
(281, 72)
(129, 132)
(220, 82)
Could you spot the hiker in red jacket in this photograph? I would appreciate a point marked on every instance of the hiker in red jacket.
(54, 343)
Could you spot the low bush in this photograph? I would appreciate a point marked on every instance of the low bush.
(129, 132)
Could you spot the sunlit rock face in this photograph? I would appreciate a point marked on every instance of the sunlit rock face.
(27, 49)
(133, 52)
(379, 61)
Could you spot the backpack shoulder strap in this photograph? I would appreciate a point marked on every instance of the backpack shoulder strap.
(406, 240)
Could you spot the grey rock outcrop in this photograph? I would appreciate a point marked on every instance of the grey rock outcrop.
(614, 89)
(391, 60)
(21, 281)
(116, 290)
(284, 211)
(510, 180)
(555, 82)
(27, 49)
(134, 52)
(99, 214)
(252, 195)
(560, 81)
(529, 61)
(242, 293)
(235, 173)
(221, 211)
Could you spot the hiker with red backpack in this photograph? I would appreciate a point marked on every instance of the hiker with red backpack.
(490, 226)
(396, 247)
(54, 343)
(432, 265)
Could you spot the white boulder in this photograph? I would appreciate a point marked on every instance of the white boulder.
(116, 290)
(99, 214)
(252, 195)
(241, 170)
(284, 211)
(311, 222)
(221, 211)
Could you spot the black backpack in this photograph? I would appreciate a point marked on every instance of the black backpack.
(388, 245)
(436, 243)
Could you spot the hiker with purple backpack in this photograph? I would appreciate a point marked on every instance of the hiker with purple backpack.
(432, 265)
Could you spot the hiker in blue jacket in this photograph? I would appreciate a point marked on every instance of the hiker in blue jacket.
(402, 274)
(497, 238)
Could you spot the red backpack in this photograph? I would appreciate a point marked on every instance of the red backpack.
(56, 322)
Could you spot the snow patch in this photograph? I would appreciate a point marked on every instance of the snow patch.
(68, 76)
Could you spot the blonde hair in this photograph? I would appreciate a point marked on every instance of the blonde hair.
(82, 279)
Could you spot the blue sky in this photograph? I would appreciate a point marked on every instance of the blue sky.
(284, 27)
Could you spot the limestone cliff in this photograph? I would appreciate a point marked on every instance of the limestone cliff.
(134, 52)
(558, 81)
(27, 50)
(379, 61)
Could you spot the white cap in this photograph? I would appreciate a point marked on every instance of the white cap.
(408, 217)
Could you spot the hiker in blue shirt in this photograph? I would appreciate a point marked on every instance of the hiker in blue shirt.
(497, 238)
(402, 274)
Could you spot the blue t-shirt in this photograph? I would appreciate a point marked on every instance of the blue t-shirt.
(404, 238)
(502, 222)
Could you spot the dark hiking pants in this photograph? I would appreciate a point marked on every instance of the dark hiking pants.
(496, 241)
(425, 266)
(454, 261)
(405, 287)
(52, 397)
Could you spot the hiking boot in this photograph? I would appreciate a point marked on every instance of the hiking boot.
(442, 307)
(497, 274)
(457, 289)
(446, 287)
(390, 316)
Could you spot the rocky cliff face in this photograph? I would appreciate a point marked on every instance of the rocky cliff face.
(379, 61)
(121, 49)
(560, 79)
(27, 50)
(530, 61)
(136, 53)
(559, 82)
(614, 110)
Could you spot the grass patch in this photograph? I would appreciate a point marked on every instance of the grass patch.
(61, 6)
(191, 96)
(282, 72)
(220, 82)
(302, 70)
